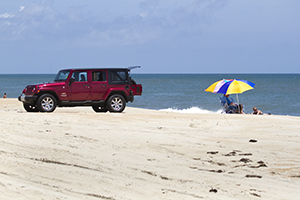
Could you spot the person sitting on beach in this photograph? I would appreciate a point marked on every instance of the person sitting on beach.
(240, 109)
(229, 105)
(258, 112)
(4, 96)
(229, 101)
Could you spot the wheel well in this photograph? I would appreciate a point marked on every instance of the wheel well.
(117, 92)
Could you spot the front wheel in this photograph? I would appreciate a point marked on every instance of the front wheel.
(116, 103)
(30, 108)
(98, 108)
(46, 103)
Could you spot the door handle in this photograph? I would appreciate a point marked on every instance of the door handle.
(86, 86)
(103, 85)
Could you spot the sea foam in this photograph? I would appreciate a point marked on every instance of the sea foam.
(190, 110)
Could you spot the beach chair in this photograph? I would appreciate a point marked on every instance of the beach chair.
(229, 109)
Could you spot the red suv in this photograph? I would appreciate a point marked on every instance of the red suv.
(106, 89)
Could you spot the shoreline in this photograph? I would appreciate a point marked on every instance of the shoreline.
(168, 110)
(75, 153)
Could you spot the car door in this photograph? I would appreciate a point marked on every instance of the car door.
(79, 89)
(99, 84)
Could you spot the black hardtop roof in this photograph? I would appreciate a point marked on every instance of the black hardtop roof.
(107, 68)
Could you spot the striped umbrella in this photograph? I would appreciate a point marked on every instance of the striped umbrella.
(230, 86)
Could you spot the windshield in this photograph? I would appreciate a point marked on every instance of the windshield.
(62, 75)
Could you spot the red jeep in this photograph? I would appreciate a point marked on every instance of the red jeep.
(104, 89)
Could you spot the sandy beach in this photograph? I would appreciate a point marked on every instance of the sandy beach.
(75, 153)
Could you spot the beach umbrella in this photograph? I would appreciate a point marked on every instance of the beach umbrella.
(230, 86)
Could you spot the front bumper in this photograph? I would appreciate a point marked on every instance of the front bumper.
(27, 99)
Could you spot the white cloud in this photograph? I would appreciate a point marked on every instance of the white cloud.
(156, 19)
(6, 16)
(21, 8)
(148, 7)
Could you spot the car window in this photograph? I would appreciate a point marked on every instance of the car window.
(62, 75)
(79, 76)
(118, 76)
(99, 76)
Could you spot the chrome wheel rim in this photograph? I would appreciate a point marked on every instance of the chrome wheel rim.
(47, 103)
(117, 103)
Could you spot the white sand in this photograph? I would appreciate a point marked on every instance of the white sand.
(75, 153)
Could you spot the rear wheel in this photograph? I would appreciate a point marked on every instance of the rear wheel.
(46, 103)
(98, 108)
(116, 103)
(30, 108)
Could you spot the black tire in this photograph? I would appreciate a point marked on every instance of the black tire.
(46, 103)
(116, 103)
(30, 108)
(98, 108)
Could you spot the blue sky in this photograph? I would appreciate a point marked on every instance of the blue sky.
(163, 36)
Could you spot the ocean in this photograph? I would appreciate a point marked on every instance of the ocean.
(278, 94)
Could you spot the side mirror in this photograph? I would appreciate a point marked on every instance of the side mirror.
(71, 80)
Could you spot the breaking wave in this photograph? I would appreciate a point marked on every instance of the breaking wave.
(190, 110)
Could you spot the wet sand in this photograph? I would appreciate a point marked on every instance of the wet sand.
(75, 153)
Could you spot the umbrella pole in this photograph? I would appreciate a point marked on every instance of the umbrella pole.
(237, 97)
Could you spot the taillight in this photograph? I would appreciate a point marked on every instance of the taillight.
(35, 89)
(24, 91)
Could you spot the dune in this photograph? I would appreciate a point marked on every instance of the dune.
(75, 153)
